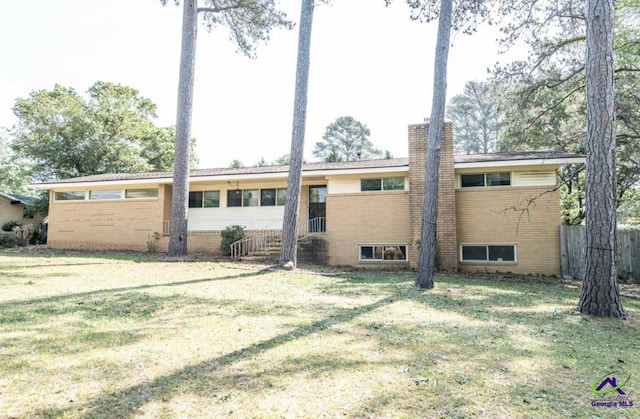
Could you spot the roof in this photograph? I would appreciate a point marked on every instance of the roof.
(222, 173)
(326, 169)
(23, 199)
(513, 156)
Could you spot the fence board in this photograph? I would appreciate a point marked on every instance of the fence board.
(572, 252)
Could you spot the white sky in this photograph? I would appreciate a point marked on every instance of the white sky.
(367, 60)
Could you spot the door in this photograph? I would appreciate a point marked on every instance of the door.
(317, 209)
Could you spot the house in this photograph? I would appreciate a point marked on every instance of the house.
(15, 207)
(363, 213)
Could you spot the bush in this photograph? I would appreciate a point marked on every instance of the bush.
(153, 240)
(230, 235)
(23, 234)
(9, 225)
(7, 239)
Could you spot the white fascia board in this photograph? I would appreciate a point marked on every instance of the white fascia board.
(219, 178)
(355, 171)
(68, 185)
(515, 163)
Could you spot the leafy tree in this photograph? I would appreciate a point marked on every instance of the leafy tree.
(15, 172)
(600, 292)
(346, 139)
(283, 160)
(236, 164)
(249, 22)
(476, 117)
(629, 211)
(288, 252)
(111, 131)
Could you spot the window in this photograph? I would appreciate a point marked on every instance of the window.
(250, 198)
(204, 199)
(485, 179)
(272, 197)
(211, 199)
(141, 193)
(106, 194)
(69, 196)
(382, 184)
(488, 253)
(383, 252)
(268, 197)
(234, 198)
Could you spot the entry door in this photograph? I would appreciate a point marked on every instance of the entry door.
(317, 209)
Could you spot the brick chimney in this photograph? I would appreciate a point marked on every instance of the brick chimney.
(446, 225)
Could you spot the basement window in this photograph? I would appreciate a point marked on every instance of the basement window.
(487, 253)
(383, 252)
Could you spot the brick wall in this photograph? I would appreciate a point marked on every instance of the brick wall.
(117, 224)
(446, 225)
(490, 216)
(365, 218)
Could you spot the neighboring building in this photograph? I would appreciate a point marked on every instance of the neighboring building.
(364, 213)
(15, 207)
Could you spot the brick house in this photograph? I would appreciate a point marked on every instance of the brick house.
(362, 213)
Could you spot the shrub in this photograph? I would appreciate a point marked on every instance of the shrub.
(230, 235)
(152, 242)
(7, 239)
(9, 225)
(23, 234)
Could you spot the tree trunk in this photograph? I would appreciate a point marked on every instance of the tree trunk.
(600, 295)
(428, 242)
(288, 255)
(180, 193)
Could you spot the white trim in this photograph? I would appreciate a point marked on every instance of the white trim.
(509, 163)
(222, 178)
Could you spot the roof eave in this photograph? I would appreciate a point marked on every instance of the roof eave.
(524, 162)
(223, 178)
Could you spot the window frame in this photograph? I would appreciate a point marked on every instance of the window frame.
(488, 252)
(56, 196)
(154, 195)
(202, 199)
(383, 250)
(381, 181)
(91, 196)
(485, 179)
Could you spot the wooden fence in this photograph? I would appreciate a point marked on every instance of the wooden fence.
(572, 245)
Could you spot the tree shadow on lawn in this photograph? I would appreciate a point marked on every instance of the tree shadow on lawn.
(128, 401)
(12, 304)
(434, 346)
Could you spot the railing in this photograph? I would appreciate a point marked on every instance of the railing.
(258, 242)
(317, 225)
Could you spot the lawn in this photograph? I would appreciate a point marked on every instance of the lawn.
(119, 335)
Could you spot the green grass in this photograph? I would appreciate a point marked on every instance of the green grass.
(123, 335)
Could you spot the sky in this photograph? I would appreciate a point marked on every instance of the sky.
(368, 61)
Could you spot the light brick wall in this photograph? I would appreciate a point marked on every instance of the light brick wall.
(204, 242)
(490, 216)
(365, 218)
(118, 224)
(446, 224)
